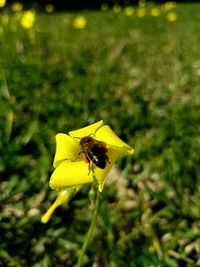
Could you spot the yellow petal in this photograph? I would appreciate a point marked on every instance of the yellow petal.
(66, 148)
(70, 173)
(88, 130)
(63, 197)
(106, 134)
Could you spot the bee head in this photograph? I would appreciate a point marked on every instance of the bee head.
(86, 141)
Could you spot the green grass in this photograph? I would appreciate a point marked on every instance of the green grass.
(141, 76)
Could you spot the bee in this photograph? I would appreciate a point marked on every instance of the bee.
(94, 151)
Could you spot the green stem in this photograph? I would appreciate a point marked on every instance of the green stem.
(90, 231)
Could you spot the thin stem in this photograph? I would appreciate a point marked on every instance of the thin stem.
(90, 231)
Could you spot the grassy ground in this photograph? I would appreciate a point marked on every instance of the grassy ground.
(141, 76)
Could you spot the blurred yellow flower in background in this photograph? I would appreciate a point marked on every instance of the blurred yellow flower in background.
(129, 11)
(117, 8)
(5, 19)
(28, 19)
(141, 12)
(49, 8)
(169, 5)
(104, 7)
(2, 3)
(142, 3)
(154, 11)
(16, 7)
(15, 20)
(171, 16)
(79, 22)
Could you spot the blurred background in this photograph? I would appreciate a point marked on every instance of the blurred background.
(85, 4)
(136, 65)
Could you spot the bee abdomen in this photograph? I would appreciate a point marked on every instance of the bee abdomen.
(99, 161)
(97, 156)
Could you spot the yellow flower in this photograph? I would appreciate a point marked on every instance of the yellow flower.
(5, 19)
(79, 22)
(17, 7)
(2, 3)
(117, 8)
(169, 5)
(171, 16)
(104, 7)
(68, 172)
(72, 170)
(154, 12)
(141, 12)
(49, 8)
(28, 19)
(129, 11)
(142, 3)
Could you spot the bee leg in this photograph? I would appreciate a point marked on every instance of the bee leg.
(89, 168)
(77, 156)
(107, 158)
